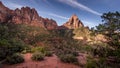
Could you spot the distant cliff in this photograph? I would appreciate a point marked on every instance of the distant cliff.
(25, 15)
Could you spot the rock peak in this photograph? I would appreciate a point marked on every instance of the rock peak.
(74, 15)
(73, 22)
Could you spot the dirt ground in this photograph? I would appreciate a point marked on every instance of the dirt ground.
(49, 62)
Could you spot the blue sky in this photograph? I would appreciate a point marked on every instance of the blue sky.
(88, 11)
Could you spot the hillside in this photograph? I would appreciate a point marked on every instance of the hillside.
(28, 40)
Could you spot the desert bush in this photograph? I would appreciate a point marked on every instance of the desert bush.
(37, 56)
(91, 63)
(69, 58)
(75, 53)
(42, 50)
(27, 49)
(86, 49)
(115, 54)
(101, 50)
(48, 53)
(9, 47)
(38, 49)
(102, 63)
(14, 59)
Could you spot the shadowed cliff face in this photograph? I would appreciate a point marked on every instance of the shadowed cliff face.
(25, 15)
(73, 23)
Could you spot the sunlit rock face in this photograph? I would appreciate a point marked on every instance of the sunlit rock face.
(73, 23)
(25, 15)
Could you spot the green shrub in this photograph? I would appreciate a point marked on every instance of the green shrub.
(14, 59)
(68, 58)
(91, 63)
(37, 56)
(75, 53)
(48, 53)
(27, 49)
(99, 63)
(102, 63)
(9, 47)
(100, 50)
(38, 49)
(115, 54)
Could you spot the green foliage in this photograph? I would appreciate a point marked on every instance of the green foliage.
(91, 64)
(42, 50)
(102, 63)
(86, 49)
(37, 56)
(115, 54)
(39, 49)
(4, 32)
(101, 51)
(14, 59)
(48, 53)
(63, 33)
(27, 49)
(69, 58)
(65, 47)
(9, 47)
(75, 53)
(111, 27)
(81, 32)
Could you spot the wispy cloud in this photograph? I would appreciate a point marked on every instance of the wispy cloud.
(42, 3)
(13, 5)
(46, 1)
(58, 16)
(76, 4)
(53, 15)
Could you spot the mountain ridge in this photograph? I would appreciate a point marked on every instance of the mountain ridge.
(27, 15)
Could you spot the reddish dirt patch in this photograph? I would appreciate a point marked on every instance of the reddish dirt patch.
(49, 62)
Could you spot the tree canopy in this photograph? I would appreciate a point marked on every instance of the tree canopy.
(110, 27)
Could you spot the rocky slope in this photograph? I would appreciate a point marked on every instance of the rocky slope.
(73, 23)
(25, 15)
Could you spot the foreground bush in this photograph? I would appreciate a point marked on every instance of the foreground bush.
(38, 49)
(27, 49)
(14, 59)
(68, 58)
(91, 64)
(48, 53)
(10, 47)
(37, 56)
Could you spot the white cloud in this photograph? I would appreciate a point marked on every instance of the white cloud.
(58, 16)
(78, 5)
(13, 5)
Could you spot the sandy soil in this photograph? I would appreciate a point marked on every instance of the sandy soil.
(49, 62)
